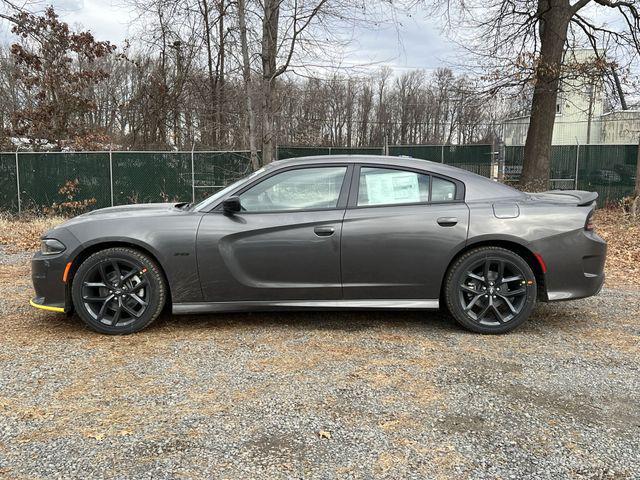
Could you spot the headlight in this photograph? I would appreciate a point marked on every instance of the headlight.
(51, 246)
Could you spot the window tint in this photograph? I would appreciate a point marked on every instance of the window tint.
(385, 186)
(442, 190)
(301, 189)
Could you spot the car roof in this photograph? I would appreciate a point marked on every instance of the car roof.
(477, 187)
(374, 159)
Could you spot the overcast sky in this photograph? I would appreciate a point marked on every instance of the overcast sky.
(417, 43)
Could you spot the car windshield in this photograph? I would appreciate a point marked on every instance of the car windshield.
(207, 202)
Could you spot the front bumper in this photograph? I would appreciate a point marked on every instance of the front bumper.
(47, 272)
(575, 264)
(38, 303)
(47, 277)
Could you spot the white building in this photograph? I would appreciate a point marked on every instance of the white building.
(580, 116)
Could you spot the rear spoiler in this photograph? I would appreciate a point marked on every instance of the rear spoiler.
(583, 197)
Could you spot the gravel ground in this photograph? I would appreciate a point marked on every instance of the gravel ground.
(320, 395)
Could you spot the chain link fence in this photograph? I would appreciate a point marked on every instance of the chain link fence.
(475, 158)
(42, 182)
(295, 152)
(609, 170)
(90, 180)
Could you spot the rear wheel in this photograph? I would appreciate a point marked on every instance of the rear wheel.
(490, 290)
(118, 291)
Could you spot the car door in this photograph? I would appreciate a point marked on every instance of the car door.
(284, 244)
(399, 230)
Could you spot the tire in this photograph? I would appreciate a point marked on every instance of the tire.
(498, 305)
(118, 291)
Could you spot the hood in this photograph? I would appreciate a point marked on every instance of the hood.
(139, 207)
(127, 211)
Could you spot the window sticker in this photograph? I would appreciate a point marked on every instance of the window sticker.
(393, 187)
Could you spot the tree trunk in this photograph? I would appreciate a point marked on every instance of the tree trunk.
(554, 22)
(211, 75)
(220, 100)
(248, 85)
(269, 52)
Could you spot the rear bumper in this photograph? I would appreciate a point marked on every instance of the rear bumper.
(575, 264)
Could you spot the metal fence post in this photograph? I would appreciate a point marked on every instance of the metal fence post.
(442, 153)
(18, 182)
(575, 181)
(111, 174)
(502, 161)
(193, 176)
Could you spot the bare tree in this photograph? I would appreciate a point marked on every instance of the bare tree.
(171, 90)
(248, 83)
(524, 44)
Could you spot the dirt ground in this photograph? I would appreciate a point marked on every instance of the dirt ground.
(324, 395)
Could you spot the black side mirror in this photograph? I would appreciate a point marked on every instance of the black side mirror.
(231, 205)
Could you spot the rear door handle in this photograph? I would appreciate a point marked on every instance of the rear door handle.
(447, 221)
(324, 231)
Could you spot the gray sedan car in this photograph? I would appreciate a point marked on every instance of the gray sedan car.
(336, 232)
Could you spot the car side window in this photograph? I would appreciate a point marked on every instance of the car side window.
(442, 190)
(387, 186)
(300, 189)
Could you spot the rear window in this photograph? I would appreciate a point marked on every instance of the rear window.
(387, 186)
(390, 186)
(442, 190)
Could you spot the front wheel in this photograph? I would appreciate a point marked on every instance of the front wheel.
(490, 290)
(118, 291)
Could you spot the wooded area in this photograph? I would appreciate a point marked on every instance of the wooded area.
(222, 74)
(176, 98)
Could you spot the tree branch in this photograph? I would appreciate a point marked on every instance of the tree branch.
(578, 5)
(296, 33)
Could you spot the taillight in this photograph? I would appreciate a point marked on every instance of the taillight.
(589, 226)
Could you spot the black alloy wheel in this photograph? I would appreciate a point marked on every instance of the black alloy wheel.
(494, 291)
(115, 293)
(490, 290)
(118, 290)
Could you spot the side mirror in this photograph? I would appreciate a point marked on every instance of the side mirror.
(231, 205)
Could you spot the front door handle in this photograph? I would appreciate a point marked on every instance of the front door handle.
(324, 231)
(447, 221)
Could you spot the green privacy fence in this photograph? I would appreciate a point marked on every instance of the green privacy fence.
(37, 181)
(475, 158)
(8, 184)
(607, 169)
(295, 152)
(101, 179)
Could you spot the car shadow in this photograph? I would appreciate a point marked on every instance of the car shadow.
(347, 321)
(544, 318)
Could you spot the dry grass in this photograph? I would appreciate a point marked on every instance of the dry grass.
(23, 233)
(623, 239)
